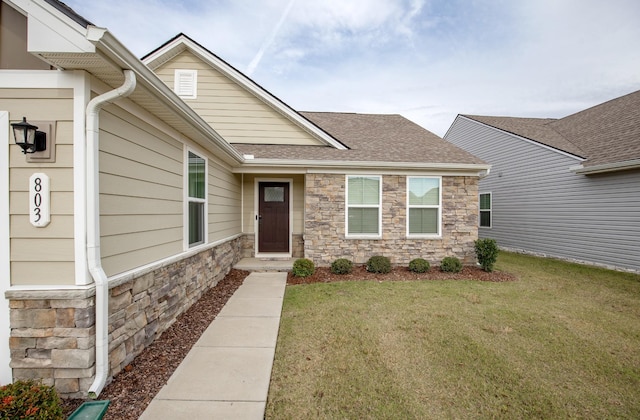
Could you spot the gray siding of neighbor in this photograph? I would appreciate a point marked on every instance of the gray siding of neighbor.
(540, 206)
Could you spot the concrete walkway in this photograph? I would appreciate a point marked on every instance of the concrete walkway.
(226, 374)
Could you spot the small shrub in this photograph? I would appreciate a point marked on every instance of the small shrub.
(487, 253)
(379, 264)
(451, 265)
(341, 266)
(419, 265)
(30, 400)
(303, 267)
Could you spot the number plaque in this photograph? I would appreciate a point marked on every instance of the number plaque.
(39, 200)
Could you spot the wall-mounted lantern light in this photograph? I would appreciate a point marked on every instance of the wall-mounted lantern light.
(28, 137)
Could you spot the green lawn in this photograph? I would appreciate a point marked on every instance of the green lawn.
(561, 342)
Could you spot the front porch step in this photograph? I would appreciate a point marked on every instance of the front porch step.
(259, 264)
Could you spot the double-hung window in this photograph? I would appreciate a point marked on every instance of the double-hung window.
(424, 206)
(197, 198)
(485, 210)
(364, 206)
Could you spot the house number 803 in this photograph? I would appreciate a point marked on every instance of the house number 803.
(39, 204)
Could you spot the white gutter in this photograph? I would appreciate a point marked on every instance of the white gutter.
(309, 165)
(485, 173)
(606, 167)
(93, 229)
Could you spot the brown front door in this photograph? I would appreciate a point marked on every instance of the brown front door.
(273, 217)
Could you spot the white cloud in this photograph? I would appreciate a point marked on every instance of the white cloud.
(426, 59)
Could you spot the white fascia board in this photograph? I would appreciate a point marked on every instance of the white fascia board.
(315, 166)
(535, 143)
(37, 79)
(248, 84)
(49, 30)
(114, 50)
(606, 167)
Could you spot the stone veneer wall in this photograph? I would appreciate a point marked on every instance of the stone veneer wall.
(53, 333)
(325, 222)
(248, 245)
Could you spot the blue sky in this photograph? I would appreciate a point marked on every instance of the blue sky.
(427, 60)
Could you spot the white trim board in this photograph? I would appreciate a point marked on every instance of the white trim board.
(5, 252)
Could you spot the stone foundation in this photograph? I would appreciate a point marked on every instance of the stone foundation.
(325, 228)
(53, 333)
(248, 246)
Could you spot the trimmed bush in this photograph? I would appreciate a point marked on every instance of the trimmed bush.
(30, 400)
(379, 264)
(451, 265)
(487, 253)
(419, 265)
(341, 266)
(303, 267)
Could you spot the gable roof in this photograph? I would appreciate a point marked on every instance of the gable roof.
(372, 139)
(62, 38)
(539, 130)
(607, 135)
(182, 42)
(609, 132)
(68, 41)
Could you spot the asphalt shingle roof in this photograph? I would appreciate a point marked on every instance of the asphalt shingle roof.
(604, 134)
(369, 137)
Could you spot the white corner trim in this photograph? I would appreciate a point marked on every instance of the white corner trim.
(5, 254)
(81, 97)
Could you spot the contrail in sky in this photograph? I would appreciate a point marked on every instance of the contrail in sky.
(256, 60)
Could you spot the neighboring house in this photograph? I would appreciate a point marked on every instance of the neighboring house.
(567, 188)
(159, 175)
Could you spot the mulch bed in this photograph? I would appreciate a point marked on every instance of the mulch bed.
(324, 275)
(132, 390)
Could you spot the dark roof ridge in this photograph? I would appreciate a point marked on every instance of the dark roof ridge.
(70, 13)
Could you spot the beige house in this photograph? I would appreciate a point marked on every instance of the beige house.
(159, 174)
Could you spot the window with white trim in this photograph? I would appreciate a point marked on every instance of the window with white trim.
(364, 197)
(424, 206)
(185, 83)
(485, 210)
(197, 198)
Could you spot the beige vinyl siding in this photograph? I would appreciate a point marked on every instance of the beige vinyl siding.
(297, 195)
(232, 111)
(224, 202)
(141, 192)
(42, 256)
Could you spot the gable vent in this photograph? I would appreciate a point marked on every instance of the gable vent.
(186, 83)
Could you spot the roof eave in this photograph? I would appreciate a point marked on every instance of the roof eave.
(309, 166)
(606, 167)
(107, 42)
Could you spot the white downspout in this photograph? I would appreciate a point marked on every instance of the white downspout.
(93, 229)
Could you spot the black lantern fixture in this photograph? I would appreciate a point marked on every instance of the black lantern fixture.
(28, 137)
